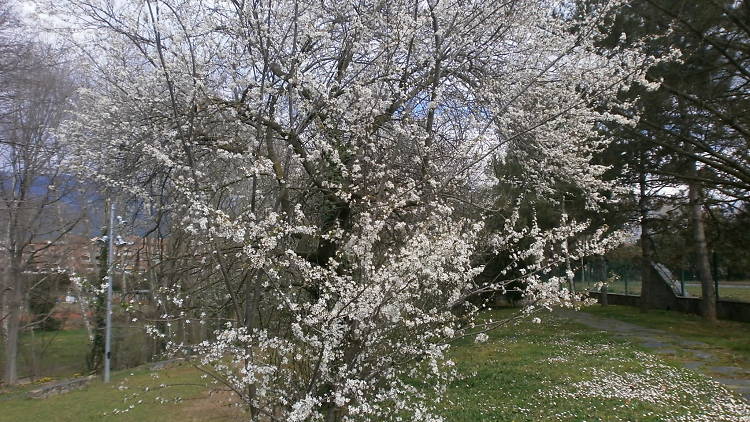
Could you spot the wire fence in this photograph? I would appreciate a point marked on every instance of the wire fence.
(628, 281)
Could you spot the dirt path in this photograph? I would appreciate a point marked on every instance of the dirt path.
(695, 355)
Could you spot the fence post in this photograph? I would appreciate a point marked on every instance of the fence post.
(583, 274)
(716, 274)
(716, 287)
(682, 287)
(626, 285)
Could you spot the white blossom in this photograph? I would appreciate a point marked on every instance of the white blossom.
(314, 152)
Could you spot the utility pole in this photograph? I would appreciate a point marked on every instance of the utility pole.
(110, 272)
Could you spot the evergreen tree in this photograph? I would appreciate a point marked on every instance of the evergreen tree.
(693, 130)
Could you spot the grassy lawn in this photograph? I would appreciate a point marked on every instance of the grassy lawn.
(556, 370)
(58, 353)
(560, 371)
(731, 336)
(177, 394)
(726, 291)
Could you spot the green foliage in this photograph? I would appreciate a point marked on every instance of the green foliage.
(701, 110)
(40, 306)
(699, 114)
(42, 300)
(728, 232)
(544, 211)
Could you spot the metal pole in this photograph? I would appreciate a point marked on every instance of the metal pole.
(110, 261)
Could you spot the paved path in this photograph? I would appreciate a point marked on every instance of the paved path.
(699, 354)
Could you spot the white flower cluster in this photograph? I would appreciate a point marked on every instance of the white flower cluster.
(317, 155)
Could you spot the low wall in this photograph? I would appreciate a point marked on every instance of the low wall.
(60, 387)
(725, 309)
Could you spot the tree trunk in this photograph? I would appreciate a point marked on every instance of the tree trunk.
(4, 290)
(13, 327)
(708, 303)
(95, 357)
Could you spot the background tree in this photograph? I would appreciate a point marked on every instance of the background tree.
(34, 94)
(692, 131)
(540, 211)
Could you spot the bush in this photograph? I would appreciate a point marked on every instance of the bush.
(42, 302)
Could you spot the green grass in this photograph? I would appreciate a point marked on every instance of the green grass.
(731, 336)
(58, 353)
(557, 370)
(726, 291)
(166, 396)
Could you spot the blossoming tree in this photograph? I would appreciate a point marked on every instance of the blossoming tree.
(320, 155)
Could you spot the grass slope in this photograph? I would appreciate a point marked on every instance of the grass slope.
(56, 353)
(552, 371)
(174, 395)
(732, 336)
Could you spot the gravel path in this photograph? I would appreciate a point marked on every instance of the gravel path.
(696, 355)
